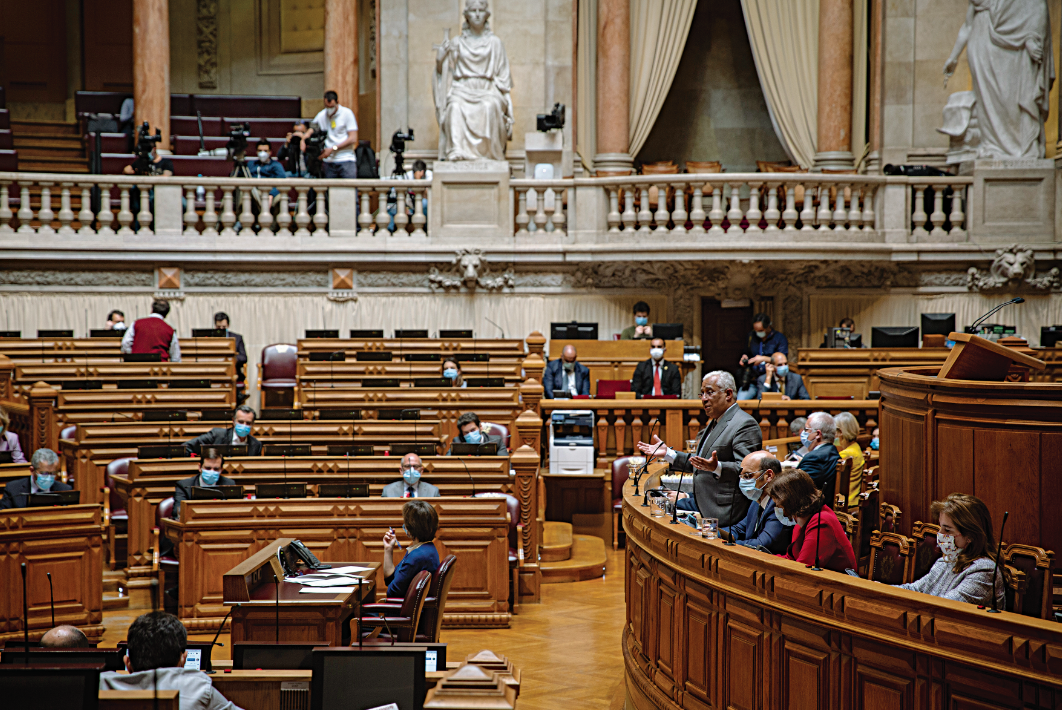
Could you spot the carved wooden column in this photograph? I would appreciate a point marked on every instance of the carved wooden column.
(7, 373)
(529, 428)
(534, 364)
(151, 65)
(536, 344)
(341, 51)
(834, 150)
(45, 427)
(613, 87)
(525, 462)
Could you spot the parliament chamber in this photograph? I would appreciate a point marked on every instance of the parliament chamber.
(610, 354)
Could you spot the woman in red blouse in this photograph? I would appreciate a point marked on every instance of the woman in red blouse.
(818, 534)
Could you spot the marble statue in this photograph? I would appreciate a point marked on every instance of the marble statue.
(1008, 48)
(471, 89)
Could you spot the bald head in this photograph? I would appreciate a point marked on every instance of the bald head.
(568, 354)
(412, 461)
(65, 637)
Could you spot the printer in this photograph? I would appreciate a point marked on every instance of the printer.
(571, 441)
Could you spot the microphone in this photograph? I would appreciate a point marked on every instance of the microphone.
(359, 613)
(995, 570)
(502, 330)
(678, 489)
(641, 470)
(25, 615)
(331, 367)
(471, 480)
(276, 586)
(51, 597)
(730, 513)
(215, 641)
(818, 537)
(979, 321)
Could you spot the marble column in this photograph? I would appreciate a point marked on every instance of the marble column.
(613, 87)
(341, 51)
(877, 83)
(834, 150)
(151, 65)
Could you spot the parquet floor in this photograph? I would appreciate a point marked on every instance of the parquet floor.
(568, 647)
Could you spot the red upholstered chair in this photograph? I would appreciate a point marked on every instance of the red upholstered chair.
(276, 371)
(68, 432)
(497, 430)
(115, 517)
(848, 522)
(890, 558)
(926, 550)
(889, 518)
(867, 517)
(620, 474)
(1036, 563)
(162, 563)
(516, 543)
(402, 619)
(439, 589)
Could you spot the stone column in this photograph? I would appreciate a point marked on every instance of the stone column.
(341, 51)
(613, 87)
(151, 65)
(877, 83)
(835, 85)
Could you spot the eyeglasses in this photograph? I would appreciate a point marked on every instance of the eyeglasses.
(750, 475)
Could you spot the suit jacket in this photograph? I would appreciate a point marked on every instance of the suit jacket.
(794, 386)
(16, 494)
(491, 438)
(554, 378)
(670, 378)
(397, 489)
(762, 527)
(241, 355)
(183, 491)
(223, 436)
(735, 435)
(9, 442)
(821, 464)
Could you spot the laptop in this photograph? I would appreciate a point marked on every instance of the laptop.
(343, 490)
(217, 492)
(463, 448)
(280, 490)
(48, 500)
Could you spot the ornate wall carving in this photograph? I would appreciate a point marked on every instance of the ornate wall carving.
(41, 277)
(206, 41)
(1013, 268)
(257, 279)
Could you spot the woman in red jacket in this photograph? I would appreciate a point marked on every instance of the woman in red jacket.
(818, 534)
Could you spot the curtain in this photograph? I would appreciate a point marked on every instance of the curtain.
(586, 84)
(860, 62)
(658, 35)
(264, 319)
(785, 43)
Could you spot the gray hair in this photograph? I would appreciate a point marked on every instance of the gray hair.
(43, 456)
(797, 425)
(246, 409)
(723, 379)
(824, 423)
(847, 426)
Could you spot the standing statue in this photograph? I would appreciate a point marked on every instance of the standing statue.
(471, 90)
(1008, 47)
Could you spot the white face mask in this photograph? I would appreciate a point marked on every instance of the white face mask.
(656, 353)
(263, 156)
(946, 543)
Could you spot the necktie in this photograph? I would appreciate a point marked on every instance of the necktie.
(707, 434)
(656, 381)
(410, 492)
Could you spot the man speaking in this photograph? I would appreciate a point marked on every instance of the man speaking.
(730, 436)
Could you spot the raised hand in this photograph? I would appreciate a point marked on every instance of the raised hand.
(654, 449)
(703, 464)
(389, 540)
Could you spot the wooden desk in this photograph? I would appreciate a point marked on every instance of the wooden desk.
(77, 349)
(220, 374)
(66, 541)
(511, 347)
(215, 536)
(139, 700)
(11, 472)
(617, 359)
(728, 627)
(322, 375)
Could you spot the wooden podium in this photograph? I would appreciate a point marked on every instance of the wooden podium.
(975, 358)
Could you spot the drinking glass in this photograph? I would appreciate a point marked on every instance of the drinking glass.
(691, 446)
(659, 507)
(710, 528)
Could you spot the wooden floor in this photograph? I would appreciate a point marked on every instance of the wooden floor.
(568, 647)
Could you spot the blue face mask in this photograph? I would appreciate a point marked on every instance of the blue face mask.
(208, 477)
(761, 334)
(748, 487)
(805, 438)
(874, 443)
(411, 476)
(641, 320)
(45, 481)
(450, 373)
(782, 370)
(474, 437)
(242, 430)
(782, 519)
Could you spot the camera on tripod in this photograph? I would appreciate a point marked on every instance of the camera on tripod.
(236, 146)
(315, 145)
(398, 147)
(145, 145)
(553, 119)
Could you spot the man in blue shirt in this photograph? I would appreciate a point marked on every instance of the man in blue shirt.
(760, 527)
(763, 342)
(265, 167)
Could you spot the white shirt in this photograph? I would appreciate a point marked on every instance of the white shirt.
(175, 346)
(337, 127)
(669, 456)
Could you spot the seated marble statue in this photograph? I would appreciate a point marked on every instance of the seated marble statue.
(471, 89)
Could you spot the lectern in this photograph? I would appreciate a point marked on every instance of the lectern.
(975, 358)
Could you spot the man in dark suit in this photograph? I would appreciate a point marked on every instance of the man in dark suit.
(778, 378)
(209, 476)
(820, 462)
(760, 527)
(239, 433)
(44, 466)
(471, 431)
(566, 375)
(656, 376)
(721, 446)
(221, 320)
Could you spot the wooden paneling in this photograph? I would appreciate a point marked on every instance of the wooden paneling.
(108, 45)
(33, 39)
(954, 459)
(1013, 457)
(617, 359)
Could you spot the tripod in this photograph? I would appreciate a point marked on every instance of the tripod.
(240, 170)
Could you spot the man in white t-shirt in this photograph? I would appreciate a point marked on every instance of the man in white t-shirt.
(342, 129)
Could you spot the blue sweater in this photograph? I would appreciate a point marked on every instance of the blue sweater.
(425, 557)
(761, 526)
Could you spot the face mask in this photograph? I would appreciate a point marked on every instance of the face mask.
(748, 487)
(332, 111)
(641, 320)
(242, 430)
(45, 481)
(782, 370)
(761, 334)
(782, 519)
(450, 373)
(263, 156)
(656, 353)
(208, 477)
(806, 438)
(474, 437)
(874, 443)
(569, 366)
(411, 476)
(946, 543)
(118, 326)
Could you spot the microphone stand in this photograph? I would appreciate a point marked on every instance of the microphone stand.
(51, 597)
(995, 571)
(220, 628)
(276, 586)
(818, 537)
(359, 613)
(982, 319)
(644, 466)
(678, 489)
(730, 514)
(25, 616)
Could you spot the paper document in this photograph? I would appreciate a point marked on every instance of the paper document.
(326, 590)
(350, 569)
(337, 582)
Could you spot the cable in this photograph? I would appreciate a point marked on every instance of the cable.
(472, 480)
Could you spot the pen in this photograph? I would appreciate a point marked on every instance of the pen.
(397, 543)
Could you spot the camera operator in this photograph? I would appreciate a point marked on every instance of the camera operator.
(341, 129)
(148, 161)
(265, 167)
(291, 154)
(419, 172)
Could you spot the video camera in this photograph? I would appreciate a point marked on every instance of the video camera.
(398, 147)
(236, 147)
(145, 145)
(315, 145)
(554, 119)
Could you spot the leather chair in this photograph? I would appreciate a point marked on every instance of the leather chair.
(115, 517)
(276, 372)
(162, 563)
(401, 619)
(516, 544)
(620, 474)
(926, 550)
(68, 432)
(890, 558)
(431, 617)
(867, 517)
(850, 525)
(1036, 564)
(889, 518)
(498, 430)
(844, 473)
